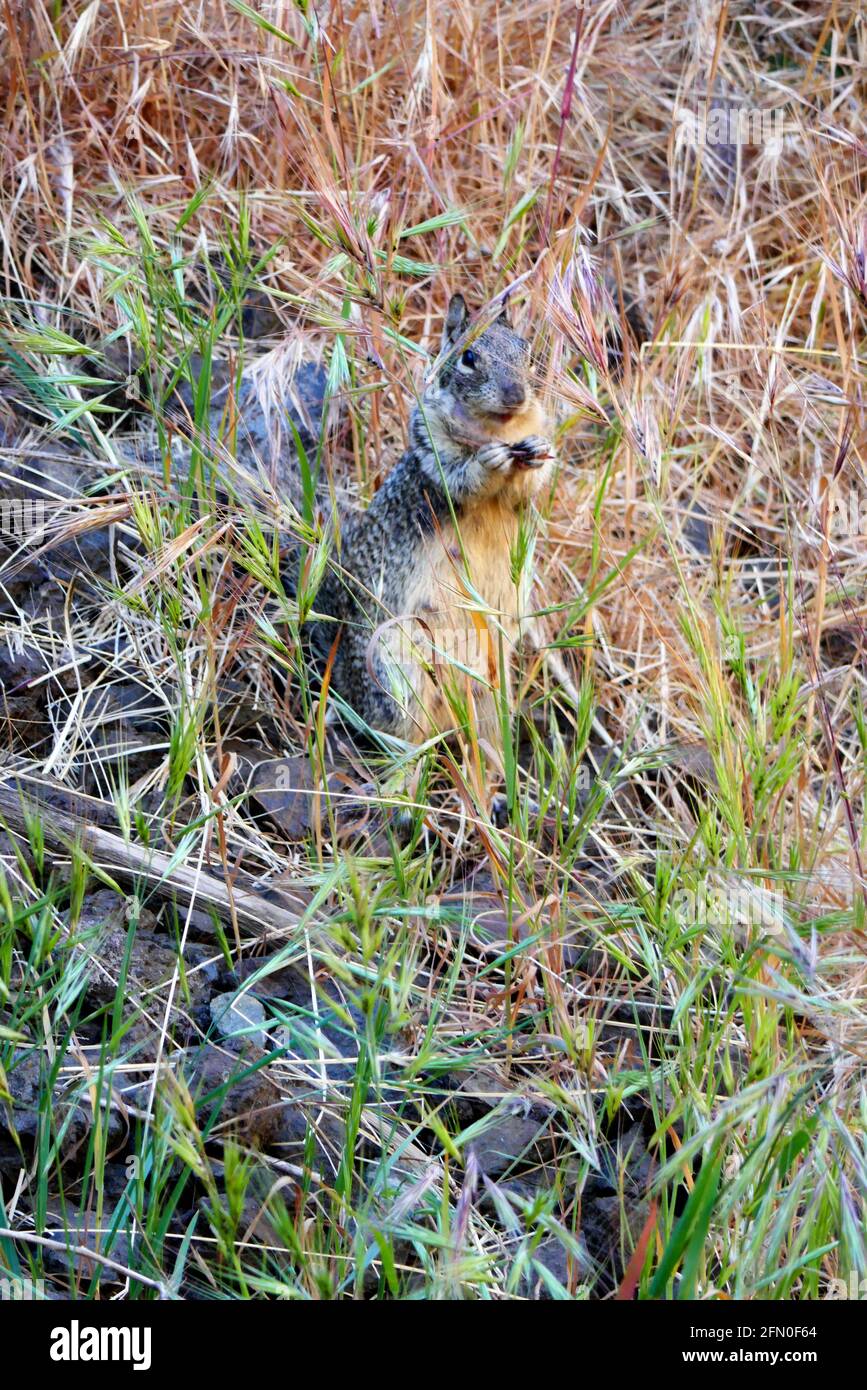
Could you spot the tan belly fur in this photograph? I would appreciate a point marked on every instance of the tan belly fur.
(464, 606)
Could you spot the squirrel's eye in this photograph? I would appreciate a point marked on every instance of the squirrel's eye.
(468, 358)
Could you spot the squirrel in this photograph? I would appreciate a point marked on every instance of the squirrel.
(431, 594)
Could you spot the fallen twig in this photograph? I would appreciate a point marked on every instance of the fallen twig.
(117, 857)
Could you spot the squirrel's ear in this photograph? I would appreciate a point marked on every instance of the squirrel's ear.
(457, 318)
(503, 315)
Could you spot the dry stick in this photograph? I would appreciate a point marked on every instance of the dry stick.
(31, 1238)
(116, 856)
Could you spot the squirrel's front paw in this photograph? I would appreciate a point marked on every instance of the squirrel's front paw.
(532, 451)
(494, 456)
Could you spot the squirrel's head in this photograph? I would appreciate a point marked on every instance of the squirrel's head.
(488, 373)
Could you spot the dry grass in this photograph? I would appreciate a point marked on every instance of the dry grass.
(693, 566)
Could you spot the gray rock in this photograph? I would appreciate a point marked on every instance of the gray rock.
(564, 1266)
(239, 1018)
(65, 1223)
(517, 1134)
(71, 1113)
(265, 445)
(152, 964)
(319, 1029)
(231, 1094)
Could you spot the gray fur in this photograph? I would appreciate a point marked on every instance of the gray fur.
(450, 462)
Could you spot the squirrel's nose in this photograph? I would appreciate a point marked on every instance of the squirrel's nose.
(513, 394)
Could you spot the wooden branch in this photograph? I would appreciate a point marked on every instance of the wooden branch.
(62, 829)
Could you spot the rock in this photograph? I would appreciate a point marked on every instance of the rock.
(151, 963)
(267, 980)
(104, 908)
(296, 798)
(258, 317)
(39, 476)
(255, 1227)
(312, 1017)
(23, 704)
(289, 793)
(71, 1114)
(696, 528)
(23, 1078)
(562, 1257)
(266, 439)
(318, 1022)
(508, 1131)
(124, 728)
(232, 1097)
(66, 1223)
(94, 811)
(517, 1135)
(482, 907)
(565, 1266)
(270, 401)
(239, 1018)
(616, 1194)
(306, 1122)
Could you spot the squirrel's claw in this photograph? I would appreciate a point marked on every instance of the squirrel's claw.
(532, 451)
(494, 456)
